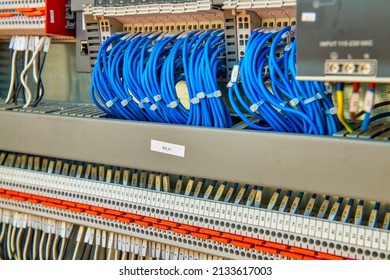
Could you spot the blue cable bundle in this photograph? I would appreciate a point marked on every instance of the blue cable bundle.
(135, 77)
(274, 99)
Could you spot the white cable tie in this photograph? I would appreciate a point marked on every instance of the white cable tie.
(319, 96)
(288, 47)
(200, 95)
(209, 95)
(125, 37)
(256, 106)
(331, 111)
(153, 107)
(328, 88)
(293, 28)
(141, 105)
(157, 97)
(286, 34)
(310, 100)
(217, 93)
(235, 73)
(111, 102)
(194, 100)
(173, 104)
(229, 85)
(294, 102)
(145, 100)
(283, 104)
(125, 102)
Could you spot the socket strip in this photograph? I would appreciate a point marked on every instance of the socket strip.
(190, 242)
(257, 4)
(335, 238)
(187, 7)
(137, 248)
(179, 26)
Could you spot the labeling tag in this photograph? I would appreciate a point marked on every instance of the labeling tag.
(368, 101)
(167, 148)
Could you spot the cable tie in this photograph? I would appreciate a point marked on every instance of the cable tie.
(111, 102)
(217, 93)
(256, 106)
(145, 100)
(284, 103)
(311, 99)
(173, 104)
(294, 102)
(11, 43)
(229, 85)
(47, 44)
(141, 105)
(200, 95)
(125, 37)
(328, 88)
(288, 47)
(157, 97)
(153, 107)
(286, 34)
(331, 111)
(194, 100)
(126, 101)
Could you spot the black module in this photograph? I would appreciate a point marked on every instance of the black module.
(343, 40)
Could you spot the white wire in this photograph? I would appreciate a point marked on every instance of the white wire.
(35, 244)
(55, 245)
(12, 81)
(2, 234)
(43, 236)
(62, 250)
(24, 72)
(48, 243)
(13, 240)
(27, 243)
(9, 241)
(95, 255)
(76, 250)
(18, 255)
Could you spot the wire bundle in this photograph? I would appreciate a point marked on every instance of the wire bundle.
(273, 97)
(135, 77)
(30, 52)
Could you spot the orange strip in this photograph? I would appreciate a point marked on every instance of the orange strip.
(292, 255)
(125, 220)
(163, 227)
(40, 8)
(200, 235)
(68, 203)
(12, 193)
(26, 195)
(329, 256)
(143, 223)
(7, 15)
(74, 209)
(303, 251)
(48, 204)
(2, 191)
(277, 245)
(221, 239)
(3, 195)
(180, 230)
(32, 200)
(133, 216)
(267, 250)
(92, 212)
(152, 220)
(35, 14)
(210, 231)
(97, 209)
(18, 198)
(108, 216)
(86, 207)
(190, 228)
(232, 236)
(254, 241)
(243, 244)
(60, 206)
(53, 200)
(24, 10)
(114, 212)
(39, 197)
(169, 223)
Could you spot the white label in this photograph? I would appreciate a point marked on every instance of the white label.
(368, 238)
(308, 17)
(293, 224)
(52, 16)
(325, 230)
(353, 239)
(354, 105)
(347, 231)
(383, 241)
(167, 148)
(332, 232)
(375, 239)
(368, 101)
(361, 238)
(339, 232)
(318, 231)
(312, 227)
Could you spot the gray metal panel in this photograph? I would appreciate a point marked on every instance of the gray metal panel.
(344, 167)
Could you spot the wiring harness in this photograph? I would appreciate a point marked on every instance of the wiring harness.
(136, 74)
(28, 54)
(273, 99)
